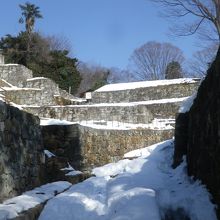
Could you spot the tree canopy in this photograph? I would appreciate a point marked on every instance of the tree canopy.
(191, 16)
(29, 13)
(45, 56)
(151, 59)
(41, 59)
(173, 70)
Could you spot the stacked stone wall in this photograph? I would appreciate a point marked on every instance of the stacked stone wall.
(29, 96)
(128, 114)
(63, 141)
(15, 74)
(99, 146)
(43, 84)
(51, 92)
(21, 151)
(87, 147)
(146, 93)
(4, 83)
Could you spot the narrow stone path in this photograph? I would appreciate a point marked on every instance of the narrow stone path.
(143, 188)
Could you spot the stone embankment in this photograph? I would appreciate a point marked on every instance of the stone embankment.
(18, 85)
(198, 133)
(98, 145)
(144, 91)
(21, 151)
(85, 147)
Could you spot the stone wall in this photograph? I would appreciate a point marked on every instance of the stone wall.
(99, 147)
(51, 94)
(43, 83)
(201, 133)
(29, 96)
(15, 74)
(86, 147)
(146, 93)
(4, 83)
(21, 151)
(2, 58)
(129, 114)
(63, 141)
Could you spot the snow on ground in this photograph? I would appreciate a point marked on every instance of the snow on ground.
(12, 207)
(36, 78)
(71, 171)
(135, 85)
(51, 121)
(49, 154)
(187, 103)
(156, 124)
(10, 64)
(7, 83)
(19, 89)
(140, 189)
(121, 104)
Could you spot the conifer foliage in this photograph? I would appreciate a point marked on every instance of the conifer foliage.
(36, 52)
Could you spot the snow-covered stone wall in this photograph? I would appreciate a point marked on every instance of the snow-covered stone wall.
(149, 90)
(38, 91)
(21, 151)
(130, 113)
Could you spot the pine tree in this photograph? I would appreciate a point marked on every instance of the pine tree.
(173, 70)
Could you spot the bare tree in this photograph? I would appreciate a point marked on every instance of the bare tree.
(93, 76)
(117, 75)
(202, 60)
(151, 59)
(59, 42)
(204, 13)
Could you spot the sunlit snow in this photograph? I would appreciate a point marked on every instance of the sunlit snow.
(135, 85)
(144, 188)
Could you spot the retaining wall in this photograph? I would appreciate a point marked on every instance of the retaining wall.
(146, 93)
(142, 113)
(29, 96)
(15, 74)
(87, 147)
(21, 151)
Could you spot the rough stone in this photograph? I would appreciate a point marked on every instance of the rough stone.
(146, 93)
(21, 151)
(136, 114)
(15, 74)
(181, 137)
(202, 141)
(86, 147)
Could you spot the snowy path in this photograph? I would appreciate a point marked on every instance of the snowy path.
(140, 189)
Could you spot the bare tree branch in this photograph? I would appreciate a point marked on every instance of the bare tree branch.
(151, 59)
(200, 12)
(202, 60)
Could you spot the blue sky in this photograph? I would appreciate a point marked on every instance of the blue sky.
(103, 32)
